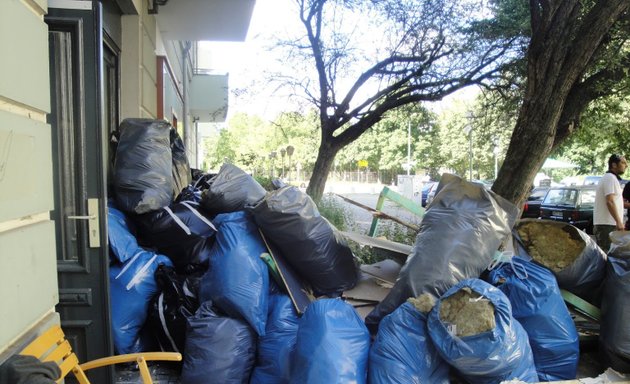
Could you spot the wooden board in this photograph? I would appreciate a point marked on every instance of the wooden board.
(386, 270)
(295, 288)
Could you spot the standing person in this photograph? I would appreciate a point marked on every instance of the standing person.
(626, 203)
(608, 212)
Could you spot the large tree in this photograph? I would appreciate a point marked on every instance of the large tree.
(578, 52)
(407, 51)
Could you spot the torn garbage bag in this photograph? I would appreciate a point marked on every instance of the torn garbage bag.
(219, 349)
(310, 244)
(403, 353)
(238, 280)
(177, 301)
(143, 170)
(473, 330)
(458, 236)
(273, 363)
(131, 287)
(332, 345)
(539, 307)
(181, 231)
(572, 255)
(614, 334)
(231, 190)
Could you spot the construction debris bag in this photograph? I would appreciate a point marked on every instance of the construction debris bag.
(539, 307)
(332, 345)
(458, 236)
(403, 353)
(498, 354)
(132, 287)
(572, 255)
(143, 170)
(273, 362)
(121, 241)
(218, 350)
(177, 301)
(181, 231)
(181, 167)
(614, 333)
(311, 245)
(238, 280)
(231, 190)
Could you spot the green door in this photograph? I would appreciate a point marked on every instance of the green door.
(79, 131)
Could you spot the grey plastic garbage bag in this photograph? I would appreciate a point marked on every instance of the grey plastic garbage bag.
(143, 178)
(584, 276)
(614, 334)
(311, 245)
(458, 236)
(231, 190)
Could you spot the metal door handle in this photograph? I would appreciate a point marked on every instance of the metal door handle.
(81, 217)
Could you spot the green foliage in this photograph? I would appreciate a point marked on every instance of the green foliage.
(335, 212)
(265, 182)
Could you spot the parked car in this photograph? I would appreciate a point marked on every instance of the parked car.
(591, 180)
(431, 193)
(531, 208)
(425, 191)
(573, 205)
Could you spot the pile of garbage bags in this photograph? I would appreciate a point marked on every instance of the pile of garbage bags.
(187, 275)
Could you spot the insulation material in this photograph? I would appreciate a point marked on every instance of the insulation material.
(467, 313)
(551, 245)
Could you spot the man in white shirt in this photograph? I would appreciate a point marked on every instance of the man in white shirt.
(608, 211)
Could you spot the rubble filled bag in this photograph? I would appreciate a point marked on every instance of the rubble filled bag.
(273, 362)
(121, 241)
(457, 239)
(132, 287)
(238, 280)
(572, 255)
(403, 353)
(538, 306)
(332, 345)
(310, 244)
(218, 350)
(143, 170)
(169, 311)
(181, 168)
(473, 330)
(614, 334)
(231, 190)
(180, 231)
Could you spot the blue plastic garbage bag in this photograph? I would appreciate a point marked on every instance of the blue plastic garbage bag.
(238, 280)
(539, 307)
(502, 353)
(273, 364)
(403, 353)
(121, 241)
(218, 349)
(131, 287)
(332, 346)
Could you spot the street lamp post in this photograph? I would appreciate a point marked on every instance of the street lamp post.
(468, 130)
(408, 148)
(290, 150)
(496, 157)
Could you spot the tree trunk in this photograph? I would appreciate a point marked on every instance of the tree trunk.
(323, 163)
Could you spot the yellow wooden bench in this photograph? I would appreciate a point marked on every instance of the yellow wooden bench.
(53, 346)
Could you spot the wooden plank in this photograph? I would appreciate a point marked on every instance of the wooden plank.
(296, 289)
(386, 270)
(367, 290)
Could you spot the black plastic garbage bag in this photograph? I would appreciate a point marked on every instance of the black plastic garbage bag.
(219, 349)
(231, 190)
(177, 302)
(614, 333)
(584, 277)
(181, 167)
(180, 231)
(500, 354)
(311, 245)
(458, 237)
(143, 169)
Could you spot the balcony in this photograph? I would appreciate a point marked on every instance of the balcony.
(209, 97)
